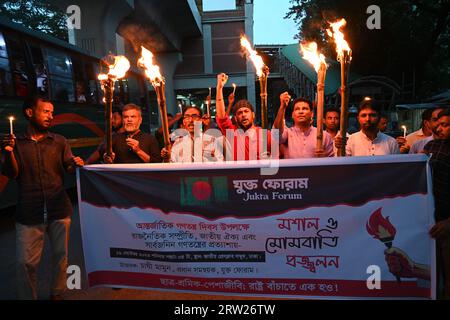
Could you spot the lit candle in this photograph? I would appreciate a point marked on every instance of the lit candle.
(180, 107)
(404, 131)
(210, 91)
(234, 88)
(11, 119)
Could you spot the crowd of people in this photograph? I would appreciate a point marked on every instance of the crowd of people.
(37, 159)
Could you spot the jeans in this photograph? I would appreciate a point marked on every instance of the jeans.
(29, 247)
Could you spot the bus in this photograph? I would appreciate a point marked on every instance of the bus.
(33, 62)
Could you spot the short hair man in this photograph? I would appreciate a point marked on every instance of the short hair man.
(424, 132)
(432, 124)
(382, 125)
(301, 139)
(248, 138)
(439, 149)
(133, 145)
(332, 118)
(211, 148)
(37, 159)
(116, 124)
(369, 141)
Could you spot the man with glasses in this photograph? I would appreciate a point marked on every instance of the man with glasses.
(191, 144)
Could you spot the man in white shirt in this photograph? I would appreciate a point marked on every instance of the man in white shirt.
(369, 141)
(192, 145)
(424, 132)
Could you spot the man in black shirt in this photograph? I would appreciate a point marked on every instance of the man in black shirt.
(439, 149)
(37, 159)
(133, 145)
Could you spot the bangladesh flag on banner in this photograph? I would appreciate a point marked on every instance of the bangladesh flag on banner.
(202, 191)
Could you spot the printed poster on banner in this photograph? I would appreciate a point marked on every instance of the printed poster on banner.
(353, 228)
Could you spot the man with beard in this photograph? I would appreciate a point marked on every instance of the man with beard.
(369, 141)
(184, 150)
(133, 145)
(300, 140)
(37, 159)
(247, 140)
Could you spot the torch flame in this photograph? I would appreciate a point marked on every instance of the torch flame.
(309, 51)
(254, 57)
(102, 77)
(117, 70)
(380, 227)
(120, 67)
(338, 36)
(151, 70)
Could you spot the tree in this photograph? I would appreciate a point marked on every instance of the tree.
(37, 15)
(413, 39)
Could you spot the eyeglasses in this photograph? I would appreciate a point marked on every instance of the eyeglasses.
(192, 116)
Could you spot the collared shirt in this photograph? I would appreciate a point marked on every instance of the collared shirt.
(417, 147)
(42, 197)
(414, 136)
(440, 165)
(359, 144)
(248, 145)
(124, 153)
(211, 149)
(301, 144)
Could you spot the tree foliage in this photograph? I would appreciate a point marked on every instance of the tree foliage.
(37, 15)
(412, 42)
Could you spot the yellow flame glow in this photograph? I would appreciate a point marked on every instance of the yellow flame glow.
(120, 67)
(254, 57)
(117, 70)
(309, 52)
(338, 36)
(151, 70)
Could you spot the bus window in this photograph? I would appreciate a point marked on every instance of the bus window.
(92, 89)
(62, 90)
(6, 86)
(18, 64)
(40, 70)
(80, 86)
(60, 69)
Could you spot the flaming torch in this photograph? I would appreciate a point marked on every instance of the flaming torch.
(344, 56)
(154, 75)
(262, 71)
(382, 229)
(117, 70)
(309, 51)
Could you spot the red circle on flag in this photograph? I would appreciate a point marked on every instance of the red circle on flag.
(201, 190)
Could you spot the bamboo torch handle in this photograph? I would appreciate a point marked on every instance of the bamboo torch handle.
(345, 65)
(163, 113)
(320, 102)
(109, 89)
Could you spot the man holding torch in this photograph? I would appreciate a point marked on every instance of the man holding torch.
(246, 138)
(193, 145)
(301, 140)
